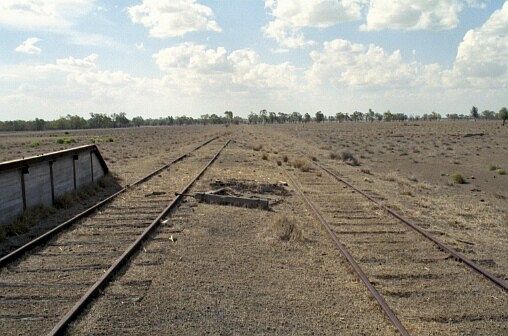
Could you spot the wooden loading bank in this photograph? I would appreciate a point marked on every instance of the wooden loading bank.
(40, 180)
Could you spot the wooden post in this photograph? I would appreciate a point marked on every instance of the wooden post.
(51, 178)
(24, 170)
(74, 158)
(91, 164)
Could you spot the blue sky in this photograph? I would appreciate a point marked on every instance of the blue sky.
(197, 56)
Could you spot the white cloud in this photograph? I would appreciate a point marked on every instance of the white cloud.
(343, 63)
(29, 47)
(315, 13)
(285, 34)
(170, 18)
(42, 14)
(416, 14)
(197, 69)
(482, 56)
(292, 15)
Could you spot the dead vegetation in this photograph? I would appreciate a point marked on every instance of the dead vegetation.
(284, 228)
(302, 164)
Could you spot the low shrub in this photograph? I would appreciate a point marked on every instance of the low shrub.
(458, 178)
(301, 164)
(65, 141)
(264, 156)
(349, 158)
(501, 171)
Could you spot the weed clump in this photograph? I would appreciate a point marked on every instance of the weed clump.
(286, 229)
(28, 219)
(501, 171)
(34, 144)
(285, 158)
(65, 141)
(349, 158)
(264, 156)
(303, 165)
(458, 178)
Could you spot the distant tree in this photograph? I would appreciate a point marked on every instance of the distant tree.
(296, 117)
(272, 117)
(488, 115)
(253, 118)
(39, 124)
(320, 116)
(229, 116)
(120, 119)
(99, 120)
(388, 116)
(357, 115)
(474, 113)
(434, 116)
(215, 119)
(306, 118)
(205, 118)
(138, 121)
(379, 116)
(340, 117)
(503, 114)
(371, 115)
(282, 118)
(264, 116)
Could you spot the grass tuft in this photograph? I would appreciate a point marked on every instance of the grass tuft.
(65, 141)
(458, 178)
(287, 230)
(301, 164)
(349, 158)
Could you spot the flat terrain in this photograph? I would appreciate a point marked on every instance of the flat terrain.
(217, 269)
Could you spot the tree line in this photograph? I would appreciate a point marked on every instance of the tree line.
(120, 120)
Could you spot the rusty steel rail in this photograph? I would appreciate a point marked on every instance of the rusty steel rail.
(74, 312)
(457, 255)
(5, 260)
(356, 268)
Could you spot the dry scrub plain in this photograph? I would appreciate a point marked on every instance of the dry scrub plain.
(227, 270)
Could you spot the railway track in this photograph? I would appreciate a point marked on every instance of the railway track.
(45, 290)
(17, 253)
(417, 282)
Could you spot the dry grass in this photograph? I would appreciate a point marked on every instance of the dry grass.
(284, 228)
(29, 218)
(302, 164)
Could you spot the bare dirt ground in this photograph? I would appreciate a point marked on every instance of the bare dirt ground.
(215, 269)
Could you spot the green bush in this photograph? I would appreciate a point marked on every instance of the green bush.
(458, 179)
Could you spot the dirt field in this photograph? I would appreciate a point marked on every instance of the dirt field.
(226, 270)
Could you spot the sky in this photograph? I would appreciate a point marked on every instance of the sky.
(154, 58)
